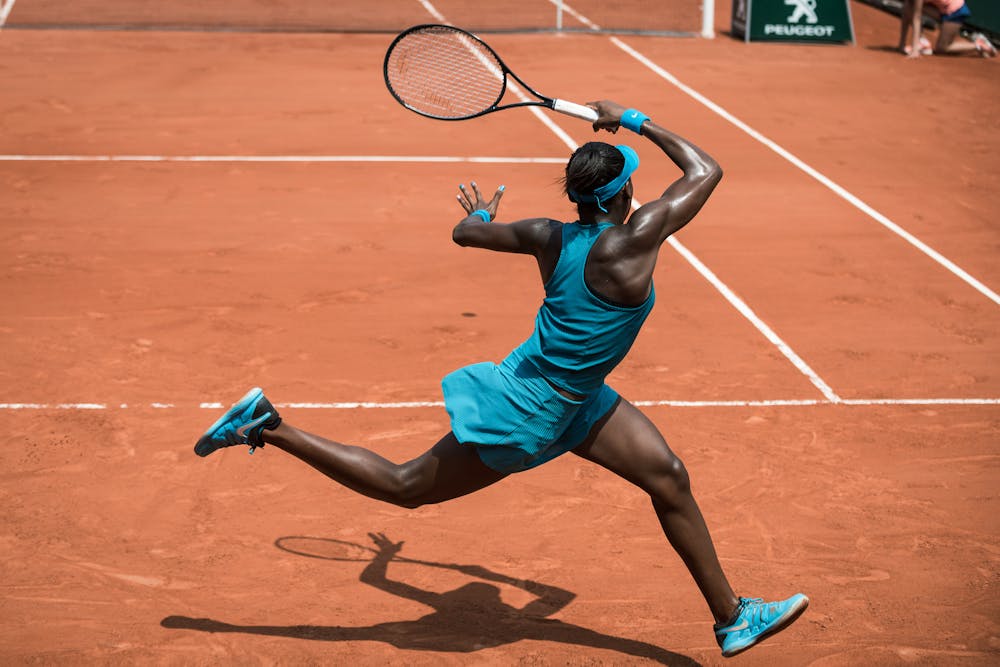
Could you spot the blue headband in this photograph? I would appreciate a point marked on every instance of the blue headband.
(609, 190)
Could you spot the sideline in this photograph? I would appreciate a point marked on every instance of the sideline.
(5, 10)
(834, 187)
(280, 158)
(403, 405)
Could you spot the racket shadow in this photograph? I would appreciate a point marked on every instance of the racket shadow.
(470, 618)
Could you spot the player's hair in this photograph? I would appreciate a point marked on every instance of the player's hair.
(592, 165)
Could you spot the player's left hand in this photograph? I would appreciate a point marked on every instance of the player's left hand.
(474, 200)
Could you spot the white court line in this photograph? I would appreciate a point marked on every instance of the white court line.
(577, 15)
(5, 10)
(707, 29)
(922, 401)
(512, 86)
(837, 189)
(761, 326)
(400, 405)
(282, 158)
(432, 10)
(54, 406)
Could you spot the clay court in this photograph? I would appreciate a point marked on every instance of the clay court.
(189, 213)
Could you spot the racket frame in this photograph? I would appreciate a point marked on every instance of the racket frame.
(562, 106)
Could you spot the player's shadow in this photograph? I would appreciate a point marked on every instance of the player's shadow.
(469, 618)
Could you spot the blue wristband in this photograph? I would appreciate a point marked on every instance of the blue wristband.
(482, 213)
(633, 119)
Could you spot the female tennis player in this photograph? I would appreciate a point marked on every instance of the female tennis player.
(549, 396)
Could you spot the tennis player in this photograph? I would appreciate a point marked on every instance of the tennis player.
(548, 396)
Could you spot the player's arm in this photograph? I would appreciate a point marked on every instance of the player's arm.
(548, 599)
(655, 221)
(375, 573)
(630, 250)
(528, 237)
(650, 226)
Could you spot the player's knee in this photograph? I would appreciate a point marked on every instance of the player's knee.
(409, 487)
(670, 481)
(676, 475)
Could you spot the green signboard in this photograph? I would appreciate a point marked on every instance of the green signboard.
(793, 21)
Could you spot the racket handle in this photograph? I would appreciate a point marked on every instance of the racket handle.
(576, 110)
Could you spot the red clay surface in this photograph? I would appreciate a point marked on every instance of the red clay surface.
(141, 283)
(392, 15)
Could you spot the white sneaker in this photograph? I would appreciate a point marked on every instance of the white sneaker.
(984, 45)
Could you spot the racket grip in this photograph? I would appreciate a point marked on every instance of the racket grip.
(576, 110)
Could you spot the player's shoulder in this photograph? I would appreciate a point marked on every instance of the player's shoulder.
(641, 232)
(615, 237)
(624, 242)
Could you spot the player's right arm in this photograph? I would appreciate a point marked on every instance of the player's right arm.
(636, 246)
(652, 223)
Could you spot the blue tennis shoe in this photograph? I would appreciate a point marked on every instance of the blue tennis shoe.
(243, 424)
(756, 620)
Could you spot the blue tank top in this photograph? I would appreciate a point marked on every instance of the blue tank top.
(579, 338)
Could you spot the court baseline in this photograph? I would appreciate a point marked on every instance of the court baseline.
(367, 405)
(282, 158)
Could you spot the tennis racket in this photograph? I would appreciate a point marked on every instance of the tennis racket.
(328, 548)
(443, 72)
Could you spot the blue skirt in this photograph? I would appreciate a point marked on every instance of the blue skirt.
(514, 418)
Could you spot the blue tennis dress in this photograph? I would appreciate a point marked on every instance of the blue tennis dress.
(511, 412)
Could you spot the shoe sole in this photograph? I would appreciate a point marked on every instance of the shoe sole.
(205, 445)
(789, 618)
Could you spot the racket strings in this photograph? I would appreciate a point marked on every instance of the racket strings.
(444, 73)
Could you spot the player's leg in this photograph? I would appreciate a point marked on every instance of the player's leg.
(950, 28)
(946, 39)
(949, 44)
(630, 446)
(448, 470)
(923, 44)
(905, 20)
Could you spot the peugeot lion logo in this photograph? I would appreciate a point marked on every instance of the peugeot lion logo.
(805, 8)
